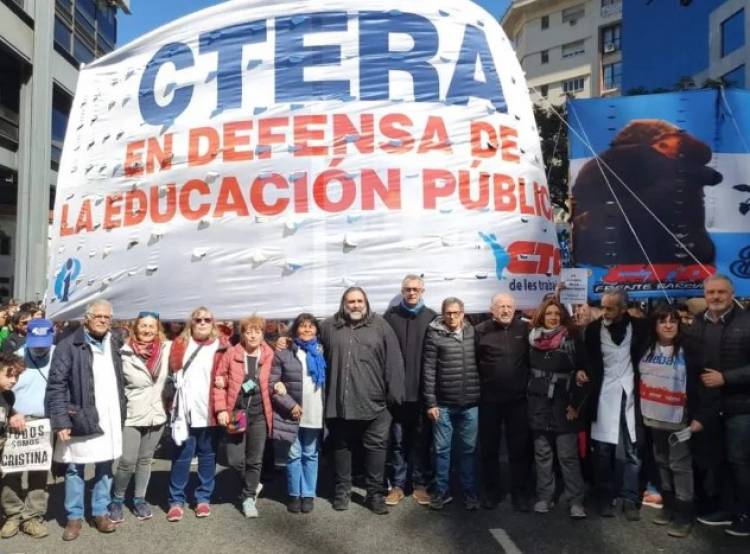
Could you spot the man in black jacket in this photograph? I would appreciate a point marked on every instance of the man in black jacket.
(451, 394)
(723, 333)
(85, 401)
(410, 431)
(503, 358)
(613, 344)
(365, 377)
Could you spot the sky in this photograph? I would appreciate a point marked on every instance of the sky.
(150, 14)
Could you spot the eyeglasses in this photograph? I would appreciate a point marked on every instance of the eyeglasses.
(452, 314)
(198, 320)
(104, 317)
(155, 315)
(411, 289)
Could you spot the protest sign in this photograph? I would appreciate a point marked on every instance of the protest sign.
(263, 156)
(28, 450)
(575, 285)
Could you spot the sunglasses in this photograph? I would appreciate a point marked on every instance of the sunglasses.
(202, 319)
(155, 315)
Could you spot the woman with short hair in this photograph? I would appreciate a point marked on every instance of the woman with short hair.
(298, 415)
(242, 403)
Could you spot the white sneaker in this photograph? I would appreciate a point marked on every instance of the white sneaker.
(258, 489)
(542, 506)
(249, 508)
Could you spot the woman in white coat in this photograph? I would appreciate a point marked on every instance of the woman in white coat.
(145, 359)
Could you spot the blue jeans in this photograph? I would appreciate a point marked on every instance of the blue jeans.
(202, 442)
(75, 488)
(464, 423)
(409, 456)
(302, 463)
(737, 436)
(615, 460)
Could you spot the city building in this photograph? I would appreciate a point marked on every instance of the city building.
(42, 45)
(568, 46)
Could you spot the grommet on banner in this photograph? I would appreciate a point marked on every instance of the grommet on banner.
(259, 110)
(92, 253)
(158, 231)
(90, 282)
(198, 254)
(444, 13)
(258, 257)
(449, 277)
(351, 240)
(111, 105)
(132, 242)
(125, 101)
(71, 195)
(446, 210)
(481, 275)
(252, 64)
(120, 135)
(151, 269)
(132, 272)
(353, 218)
(106, 251)
(211, 176)
(448, 240)
(204, 223)
(261, 219)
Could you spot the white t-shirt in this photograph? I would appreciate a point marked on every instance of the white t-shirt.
(198, 382)
(312, 398)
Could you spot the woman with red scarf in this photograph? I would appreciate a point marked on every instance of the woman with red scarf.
(555, 354)
(145, 359)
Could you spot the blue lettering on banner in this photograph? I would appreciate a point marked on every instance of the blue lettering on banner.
(228, 43)
(179, 55)
(293, 57)
(741, 267)
(376, 60)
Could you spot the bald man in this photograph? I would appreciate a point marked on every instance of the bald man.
(503, 358)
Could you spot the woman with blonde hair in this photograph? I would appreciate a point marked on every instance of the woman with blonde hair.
(192, 360)
(145, 365)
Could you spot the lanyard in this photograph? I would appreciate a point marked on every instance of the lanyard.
(36, 366)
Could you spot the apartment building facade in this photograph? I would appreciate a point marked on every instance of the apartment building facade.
(42, 45)
(568, 46)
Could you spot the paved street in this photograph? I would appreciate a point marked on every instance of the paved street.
(408, 528)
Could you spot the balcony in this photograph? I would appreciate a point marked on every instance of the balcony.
(611, 8)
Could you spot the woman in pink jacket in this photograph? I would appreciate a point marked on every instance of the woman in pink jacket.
(242, 403)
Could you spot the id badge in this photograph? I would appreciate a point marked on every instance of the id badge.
(249, 386)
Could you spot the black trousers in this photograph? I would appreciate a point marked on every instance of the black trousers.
(245, 454)
(513, 417)
(372, 436)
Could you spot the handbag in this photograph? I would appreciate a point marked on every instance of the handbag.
(238, 422)
(170, 389)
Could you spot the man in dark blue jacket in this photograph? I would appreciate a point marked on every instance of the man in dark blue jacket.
(85, 402)
(410, 430)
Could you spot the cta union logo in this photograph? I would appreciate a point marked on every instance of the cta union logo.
(66, 277)
(741, 267)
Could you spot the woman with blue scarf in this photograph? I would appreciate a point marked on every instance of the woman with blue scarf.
(298, 414)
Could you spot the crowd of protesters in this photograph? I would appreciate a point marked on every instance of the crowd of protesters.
(656, 407)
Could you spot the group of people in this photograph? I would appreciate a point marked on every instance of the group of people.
(638, 400)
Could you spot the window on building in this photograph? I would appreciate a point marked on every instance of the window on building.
(545, 22)
(611, 38)
(573, 85)
(573, 49)
(736, 77)
(85, 28)
(733, 32)
(544, 90)
(573, 14)
(10, 100)
(61, 105)
(545, 56)
(612, 75)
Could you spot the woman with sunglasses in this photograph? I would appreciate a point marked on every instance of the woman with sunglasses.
(192, 360)
(674, 405)
(145, 359)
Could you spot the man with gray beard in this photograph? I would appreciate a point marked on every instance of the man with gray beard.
(365, 377)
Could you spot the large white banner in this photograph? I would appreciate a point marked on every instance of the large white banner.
(263, 156)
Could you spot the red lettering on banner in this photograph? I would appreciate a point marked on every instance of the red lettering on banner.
(345, 132)
(65, 229)
(433, 190)
(233, 141)
(155, 154)
(111, 211)
(509, 144)
(530, 257)
(85, 220)
(304, 132)
(132, 215)
(390, 195)
(133, 154)
(230, 199)
(505, 198)
(464, 191)
(198, 156)
(158, 216)
(321, 191)
(478, 130)
(199, 186)
(256, 195)
(435, 137)
(267, 137)
(392, 126)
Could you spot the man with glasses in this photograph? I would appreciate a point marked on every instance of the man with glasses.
(365, 378)
(410, 430)
(17, 338)
(85, 401)
(451, 396)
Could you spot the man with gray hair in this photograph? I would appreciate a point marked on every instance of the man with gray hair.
(613, 344)
(410, 431)
(722, 333)
(85, 401)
